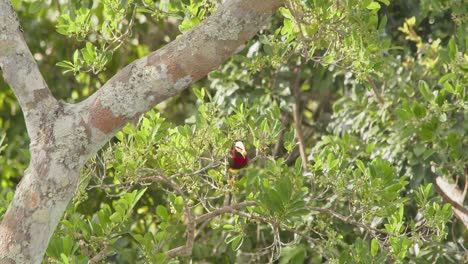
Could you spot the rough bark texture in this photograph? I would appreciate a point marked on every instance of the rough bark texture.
(64, 136)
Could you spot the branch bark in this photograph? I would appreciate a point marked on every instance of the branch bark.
(162, 74)
(20, 70)
(64, 136)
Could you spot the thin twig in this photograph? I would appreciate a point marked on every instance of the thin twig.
(100, 256)
(265, 220)
(223, 210)
(374, 89)
(187, 248)
(297, 117)
(345, 219)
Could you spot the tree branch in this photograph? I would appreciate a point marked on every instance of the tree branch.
(152, 79)
(20, 70)
(100, 256)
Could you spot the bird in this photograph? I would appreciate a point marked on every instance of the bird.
(238, 158)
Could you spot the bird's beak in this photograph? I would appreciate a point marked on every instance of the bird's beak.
(243, 153)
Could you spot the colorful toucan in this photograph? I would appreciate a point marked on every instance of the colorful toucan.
(238, 159)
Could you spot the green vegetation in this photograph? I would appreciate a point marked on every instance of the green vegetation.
(375, 92)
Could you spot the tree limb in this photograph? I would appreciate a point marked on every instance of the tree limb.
(20, 70)
(152, 79)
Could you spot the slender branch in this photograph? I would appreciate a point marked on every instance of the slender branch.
(143, 180)
(100, 256)
(223, 210)
(345, 219)
(187, 248)
(374, 89)
(275, 224)
(295, 153)
(303, 38)
(297, 117)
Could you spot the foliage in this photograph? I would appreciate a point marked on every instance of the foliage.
(375, 92)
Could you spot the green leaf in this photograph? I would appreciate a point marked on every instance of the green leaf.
(385, 2)
(452, 48)
(374, 247)
(287, 27)
(361, 166)
(67, 244)
(162, 212)
(188, 24)
(199, 93)
(289, 143)
(159, 258)
(419, 149)
(76, 55)
(449, 76)
(449, 88)
(237, 242)
(272, 200)
(328, 59)
(65, 64)
(403, 114)
(424, 90)
(383, 22)
(373, 6)
(64, 258)
(267, 49)
(286, 13)
(426, 132)
(284, 188)
(179, 203)
(419, 110)
(116, 217)
(228, 227)
(394, 188)
(35, 7)
(293, 255)
(428, 153)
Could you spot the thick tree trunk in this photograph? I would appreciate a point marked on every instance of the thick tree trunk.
(64, 136)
